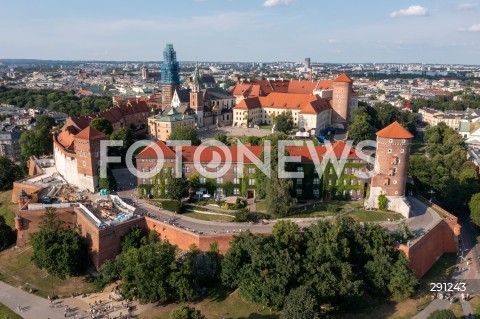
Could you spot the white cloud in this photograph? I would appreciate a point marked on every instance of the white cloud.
(410, 11)
(273, 3)
(472, 28)
(333, 41)
(467, 6)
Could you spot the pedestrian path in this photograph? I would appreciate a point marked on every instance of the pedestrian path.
(31, 306)
(436, 304)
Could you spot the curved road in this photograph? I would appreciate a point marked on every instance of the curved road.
(423, 218)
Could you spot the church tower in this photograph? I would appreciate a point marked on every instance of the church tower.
(170, 80)
(196, 96)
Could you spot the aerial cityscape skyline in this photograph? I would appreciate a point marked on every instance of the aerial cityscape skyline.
(373, 32)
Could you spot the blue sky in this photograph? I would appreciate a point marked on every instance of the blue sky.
(435, 31)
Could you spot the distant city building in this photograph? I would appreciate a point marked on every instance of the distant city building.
(160, 127)
(307, 63)
(10, 143)
(451, 118)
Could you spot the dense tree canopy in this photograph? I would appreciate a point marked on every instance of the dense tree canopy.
(125, 135)
(153, 271)
(442, 314)
(60, 252)
(338, 261)
(9, 172)
(7, 236)
(54, 100)
(177, 188)
(301, 304)
(284, 122)
(444, 169)
(36, 142)
(185, 133)
(103, 125)
(45, 120)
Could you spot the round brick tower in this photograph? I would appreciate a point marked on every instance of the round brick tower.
(393, 150)
(341, 99)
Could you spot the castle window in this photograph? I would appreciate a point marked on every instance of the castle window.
(390, 141)
(389, 150)
(84, 163)
(219, 180)
(316, 192)
(344, 182)
(235, 169)
(358, 192)
(236, 191)
(143, 181)
(316, 181)
(251, 182)
(202, 180)
(251, 170)
(352, 182)
(150, 182)
(330, 182)
(299, 191)
(402, 151)
(300, 169)
(236, 180)
(299, 181)
(403, 141)
(394, 182)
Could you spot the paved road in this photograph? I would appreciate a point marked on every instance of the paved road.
(33, 307)
(424, 218)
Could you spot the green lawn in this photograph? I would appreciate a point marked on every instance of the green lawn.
(319, 209)
(374, 216)
(266, 127)
(441, 271)
(17, 269)
(219, 304)
(208, 217)
(6, 313)
(7, 209)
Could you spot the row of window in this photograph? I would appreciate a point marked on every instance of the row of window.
(344, 182)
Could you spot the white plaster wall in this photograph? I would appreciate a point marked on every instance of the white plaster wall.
(66, 167)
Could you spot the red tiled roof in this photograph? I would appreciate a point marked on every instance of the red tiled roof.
(66, 136)
(305, 103)
(149, 151)
(343, 78)
(90, 133)
(216, 154)
(394, 130)
(249, 104)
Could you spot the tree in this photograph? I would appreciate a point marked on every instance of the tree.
(403, 281)
(361, 130)
(45, 121)
(132, 239)
(442, 314)
(60, 252)
(185, 133)
(9, 173)
(186, 312)
(7, 236)
(35, 142)
(284, 122)
(474, 206)
(278, 196)
(126, 136)
(177, 188)
(108, 182)
(222, 138)
(102, 125)
(301, 304)
(382, 202)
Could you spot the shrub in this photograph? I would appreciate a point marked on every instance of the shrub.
(172, 205)
(242, 216)
(332, 208)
